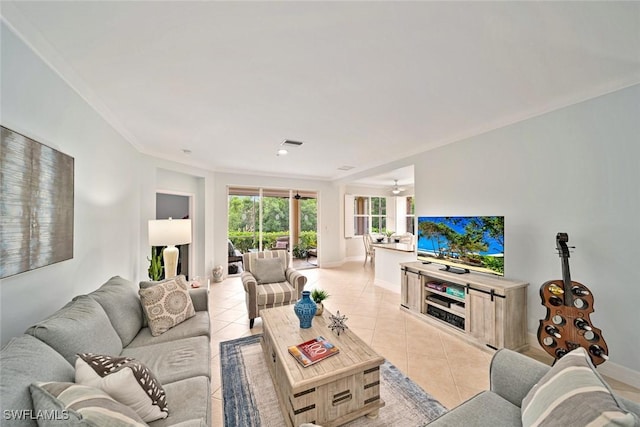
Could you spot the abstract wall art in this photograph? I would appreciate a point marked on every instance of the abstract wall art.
(36, 204)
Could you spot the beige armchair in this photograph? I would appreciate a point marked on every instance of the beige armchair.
(269, 282)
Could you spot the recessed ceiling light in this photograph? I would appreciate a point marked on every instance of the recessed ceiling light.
(282, 152)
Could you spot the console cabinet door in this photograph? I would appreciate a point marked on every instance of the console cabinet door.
(481, 315)
(411, 291)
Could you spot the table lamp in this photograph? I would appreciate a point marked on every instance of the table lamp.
(169, 232)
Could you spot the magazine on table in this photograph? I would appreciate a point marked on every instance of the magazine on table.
(313, 351)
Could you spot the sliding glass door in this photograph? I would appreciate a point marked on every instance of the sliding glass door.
(265, 219)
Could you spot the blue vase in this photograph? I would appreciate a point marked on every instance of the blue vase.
(305, 309)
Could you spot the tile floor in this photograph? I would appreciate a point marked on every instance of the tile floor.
(443, 365)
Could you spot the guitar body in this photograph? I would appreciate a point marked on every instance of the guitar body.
(566, 325)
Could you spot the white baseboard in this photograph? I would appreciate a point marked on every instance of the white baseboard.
(608, 368)
(332, 264)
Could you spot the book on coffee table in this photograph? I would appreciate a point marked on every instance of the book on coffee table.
(313, 351)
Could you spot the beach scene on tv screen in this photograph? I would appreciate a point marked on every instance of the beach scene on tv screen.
(474, 243)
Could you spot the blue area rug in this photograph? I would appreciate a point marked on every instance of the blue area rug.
(250, 400)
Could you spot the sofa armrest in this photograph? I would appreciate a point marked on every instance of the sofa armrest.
(297, 280)
(200, 299)
(513, 374)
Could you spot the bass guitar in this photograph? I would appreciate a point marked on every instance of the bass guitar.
(566, 325)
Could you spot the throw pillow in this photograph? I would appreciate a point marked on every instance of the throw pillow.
(181, 279)
(65, 404)
(126, 380)
(166, 305)
(268, 270)
(573, 393)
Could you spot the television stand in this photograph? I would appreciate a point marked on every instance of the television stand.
(455, 270)
(486, 310)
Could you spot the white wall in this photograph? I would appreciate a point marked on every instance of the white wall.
(37, 103)
(575, 170)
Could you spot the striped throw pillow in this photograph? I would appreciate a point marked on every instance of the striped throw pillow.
(65, 404)
(572, 393)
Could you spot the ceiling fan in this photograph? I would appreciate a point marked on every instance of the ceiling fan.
(396, 190)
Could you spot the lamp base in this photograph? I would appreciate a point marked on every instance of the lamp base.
(170, 257)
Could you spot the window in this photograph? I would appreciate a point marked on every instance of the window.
(369, 214)
(410, 216)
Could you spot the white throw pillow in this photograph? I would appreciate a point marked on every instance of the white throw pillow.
(126, 380)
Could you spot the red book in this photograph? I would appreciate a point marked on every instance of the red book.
(313, 351)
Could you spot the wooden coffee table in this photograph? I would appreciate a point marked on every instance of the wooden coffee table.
(331, 392)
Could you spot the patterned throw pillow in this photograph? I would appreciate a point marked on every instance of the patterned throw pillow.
(166, 305)
(65, 404)
(573, 393)
(126, 380)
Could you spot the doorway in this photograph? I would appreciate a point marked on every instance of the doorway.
(177, 206)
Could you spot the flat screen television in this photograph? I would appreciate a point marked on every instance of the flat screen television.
(463, 243)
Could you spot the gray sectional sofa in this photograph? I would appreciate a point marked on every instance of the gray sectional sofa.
(110, 321)
(512, 375)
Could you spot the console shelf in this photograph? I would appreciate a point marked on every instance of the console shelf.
(486, 310)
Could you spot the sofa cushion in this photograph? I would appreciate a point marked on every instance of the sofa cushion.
(166, 305)
(275, 294)
(573, 393)
(24, 360)
(81, 326)
(195, 326)
(190, 403)
(126, 380)
(174, 360)
(486, 409)
(79, 405)
(268, 270)
(119, 299)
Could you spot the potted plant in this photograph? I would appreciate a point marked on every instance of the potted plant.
(319, 295)
(299, 251)
(155, 267)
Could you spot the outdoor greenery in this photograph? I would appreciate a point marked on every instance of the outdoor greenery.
(244, 222)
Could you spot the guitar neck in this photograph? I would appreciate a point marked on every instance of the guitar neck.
(566, 280)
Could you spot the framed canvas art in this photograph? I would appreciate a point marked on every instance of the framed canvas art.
(36, 204)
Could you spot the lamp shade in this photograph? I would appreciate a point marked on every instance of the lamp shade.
(165, 232)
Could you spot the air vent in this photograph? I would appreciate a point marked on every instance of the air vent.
(290, 143)
(345, 168)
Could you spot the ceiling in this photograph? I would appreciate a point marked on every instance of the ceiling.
(360, 83)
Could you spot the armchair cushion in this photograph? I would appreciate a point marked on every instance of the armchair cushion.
(275, 294)
(268, 270)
